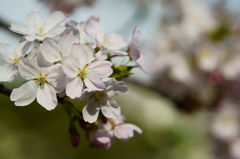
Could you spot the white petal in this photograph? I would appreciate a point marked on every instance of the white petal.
(74, 87)
(101, 69)
(41, 61)
(94, 83)
(134, 52)
(50, 50)
(46, 96)
(111, 109)
(101, 56)
(125, 131)
(142, 63)
(107, 50)
(136, 35)
(33, 53)
(86, 95)
(17, 28)
(33, 37)
(91, 110)
(28, 69)
(115, 87)
(119, 119)
(33, 19)
(116, 42)
(79, 54)
(70, 67)
(23, 46)
(7, 53)
(90, 52)
(55, 32)
(120, 53)
(83, 36)
(8, 74)
(66, 41)
(54, 19)
(24, 94)
(57, 78)
(94, 30)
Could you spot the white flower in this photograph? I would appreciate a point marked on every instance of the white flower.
(225, 124)
(53, 52)
(134, 51)
(83, 71)
(117, 128)
(9, 59)
(38, 29)
(102, 100)
(208, 59)
(42, 83)
(107, 44)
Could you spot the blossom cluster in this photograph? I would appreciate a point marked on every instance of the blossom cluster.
(198, 66)
(72, 61)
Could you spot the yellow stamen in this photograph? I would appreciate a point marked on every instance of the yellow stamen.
(105, 41)
(41, 79)
(101, 96)
(83, 72)
(15, 61)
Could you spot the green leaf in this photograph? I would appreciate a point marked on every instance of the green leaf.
(121, 71)
(220, 32)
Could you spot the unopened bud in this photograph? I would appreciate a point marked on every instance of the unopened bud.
(75, 139)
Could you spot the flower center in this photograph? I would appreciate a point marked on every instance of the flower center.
(39, 29)
(105, 41)
(15, 61)
(83, 72)
(41, 79)
(101, 96)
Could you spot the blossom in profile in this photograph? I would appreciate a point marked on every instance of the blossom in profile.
(42, 83)
(83, 71)
(110, 129)
(9, 59)
(118, 129)
(103, 100)
(37, 29)
(107, 44)
(134, 50)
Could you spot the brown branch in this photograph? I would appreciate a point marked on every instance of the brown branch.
(4, 90)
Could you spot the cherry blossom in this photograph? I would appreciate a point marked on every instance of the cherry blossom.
(102, 100)
(9, 59)
(38, 29)
(134, 50)
(83, 71)
(42, 83)
(107, 44)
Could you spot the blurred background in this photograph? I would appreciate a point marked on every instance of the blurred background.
(188, 108)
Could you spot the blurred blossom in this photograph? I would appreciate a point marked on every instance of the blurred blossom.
(207, 59)
(197, 19)
(66, 6)
(234, 149)
(225, 124)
